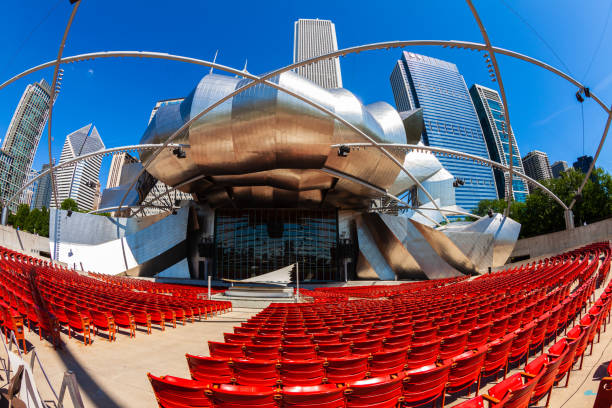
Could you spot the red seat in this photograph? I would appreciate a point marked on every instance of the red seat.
(262, 351)
(326, 337)
(104, 321)
(388, 362)
(345, 369)
(225, 350)
(497, 355)
(301, 372)
(376, 392)
(421, 354)
(498, 328)
(397, 341)
(425, 335)
(425, 384)
(237, 338)
(125, 320)
(446, 329)
(297, 339)
(465, 370)
(79, 324)
(513, 392)
(546, 367)
(333, 350)
(478, 336)
(453, 346)
(237, 396)
(567, 349)
(520, 345)
(539, 332)
(174, 392)
(367, 346)
(298, 351)
(322, 396)
(209, 370)
(255, 372)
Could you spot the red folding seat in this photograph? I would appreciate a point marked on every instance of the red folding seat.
(425, 385)
(270, 332)
(225, 350)
(567, 349)
(237, 338)
(484, 317)
(157, 317)
(376, 392)
(467, 323)
(478, 336)
(367, 346)
(255, 372)
(454, 345)
(263, 339)
(446, 329)
(422, 324)
(245, 330)
(175, 392)
(425, 335)
(388, 362)
(379, 331)
(553, 321)
(520, 344)
(235, 396)
(397, 341)
(298, 351)
(333, 350)
(513, 392)
(498, 352)
(401, 328)
(465, 370)
(326, 337)
(262, 351)
(79, 324)
(345, 369)
(546, 367)
(354, 336)
(420, 354)
(514, 322)
(322, 396)
(297, 339)
(209, 370)
(498, 328)
(539, 333)
(125, 320)
(301, 372)
(360, 326)
(142, 318)
(591, 323)
(104, 321)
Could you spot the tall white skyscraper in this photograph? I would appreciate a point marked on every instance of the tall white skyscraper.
(79, 181)
(312, 38)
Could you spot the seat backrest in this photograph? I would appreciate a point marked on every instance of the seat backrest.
(232, 396)
(225, 350)
(209, 369)
(262, 351)
(322, 396)
(420, 354)
(425, 384)
(374, 391)
(333, 350)
(301, 372)
(345, 369)
(174, 392)
(255, 372)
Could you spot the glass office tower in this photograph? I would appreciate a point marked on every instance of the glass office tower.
(450, 120)
(490, 111)
(22, 138)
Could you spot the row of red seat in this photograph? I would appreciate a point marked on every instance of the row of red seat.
(50, 297)
(399, 348)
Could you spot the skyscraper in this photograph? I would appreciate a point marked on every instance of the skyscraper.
(22, 138)
(536, 165)
(42, 192)
(559, 167)
(312, 38)
(28, 193)
(490, 110)
(79, 181)
(583, 163)
(116, 167)
(418, 81)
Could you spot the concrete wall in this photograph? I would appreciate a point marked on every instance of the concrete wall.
(23, 241)
(556, 242)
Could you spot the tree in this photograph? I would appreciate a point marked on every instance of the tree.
(69, 204)
(21, 217)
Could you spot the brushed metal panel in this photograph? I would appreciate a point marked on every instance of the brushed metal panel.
(369, 249)
(364, 270)
(446, 249)
(398, 258)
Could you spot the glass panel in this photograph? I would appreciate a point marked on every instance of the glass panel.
(251, 242)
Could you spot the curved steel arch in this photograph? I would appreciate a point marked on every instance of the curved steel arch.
(89, 156)
(482, 160)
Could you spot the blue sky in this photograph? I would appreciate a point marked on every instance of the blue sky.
(117, 95)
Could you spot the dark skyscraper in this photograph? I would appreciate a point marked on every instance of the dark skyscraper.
(583, 163)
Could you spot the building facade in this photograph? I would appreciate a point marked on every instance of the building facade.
(116, 167)
(418, 81)
(22, 138)
(583, 163)
(490, 110)
(80, 180)
(164, 102)
(559, 167)
(312, 38)
(537, 166)
(42, 191)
